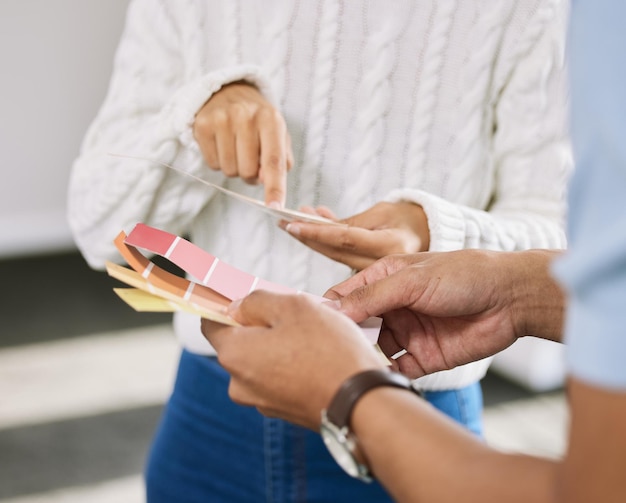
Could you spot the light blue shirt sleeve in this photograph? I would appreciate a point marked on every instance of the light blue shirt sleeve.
(594, 269)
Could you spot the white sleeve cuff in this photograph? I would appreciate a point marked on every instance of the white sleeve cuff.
(456, 378)
(180, 112)
(446, 223)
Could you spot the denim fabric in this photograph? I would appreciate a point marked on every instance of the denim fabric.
(464, 405)
(208, 449)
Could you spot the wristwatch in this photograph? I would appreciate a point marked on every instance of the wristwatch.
(335, 427)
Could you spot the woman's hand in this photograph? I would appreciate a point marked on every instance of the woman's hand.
(384, 229)
(240, 133)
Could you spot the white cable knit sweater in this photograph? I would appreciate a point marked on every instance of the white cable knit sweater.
(457, 105)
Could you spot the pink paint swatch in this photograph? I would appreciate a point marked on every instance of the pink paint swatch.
(219, 282)
(208, 269)
(171, 283)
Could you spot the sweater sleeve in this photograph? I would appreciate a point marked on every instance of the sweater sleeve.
(148, 112)
(530, 153)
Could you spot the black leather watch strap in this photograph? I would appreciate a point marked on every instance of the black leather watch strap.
(353, 388)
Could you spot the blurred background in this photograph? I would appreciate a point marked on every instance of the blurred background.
(82, 377)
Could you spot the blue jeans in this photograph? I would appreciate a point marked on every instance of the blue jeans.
(208, 449)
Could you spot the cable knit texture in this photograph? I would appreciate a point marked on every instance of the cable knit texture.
(458, 106)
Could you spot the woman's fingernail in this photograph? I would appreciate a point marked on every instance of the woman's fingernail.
(275, 205)
(293, 229)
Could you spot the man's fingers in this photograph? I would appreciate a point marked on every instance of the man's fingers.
(380, 294)
(375, 272)
(366, 301)
(260, 308)
(215, 333)
(378, 270)
(387, 342)
(342, 289)
(408, 365)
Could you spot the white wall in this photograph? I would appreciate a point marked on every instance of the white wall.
(55, 58)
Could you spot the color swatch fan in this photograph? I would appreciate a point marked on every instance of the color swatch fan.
(214, 285)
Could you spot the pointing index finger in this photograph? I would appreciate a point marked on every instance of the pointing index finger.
(374, 290)
(273, 171)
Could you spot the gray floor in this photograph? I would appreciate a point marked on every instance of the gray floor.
(77, 412)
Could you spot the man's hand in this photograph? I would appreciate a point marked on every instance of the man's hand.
(240, 133)
(291, 356)
(448, 309)
(384, 229)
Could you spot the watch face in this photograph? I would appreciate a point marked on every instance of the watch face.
(337, 444)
